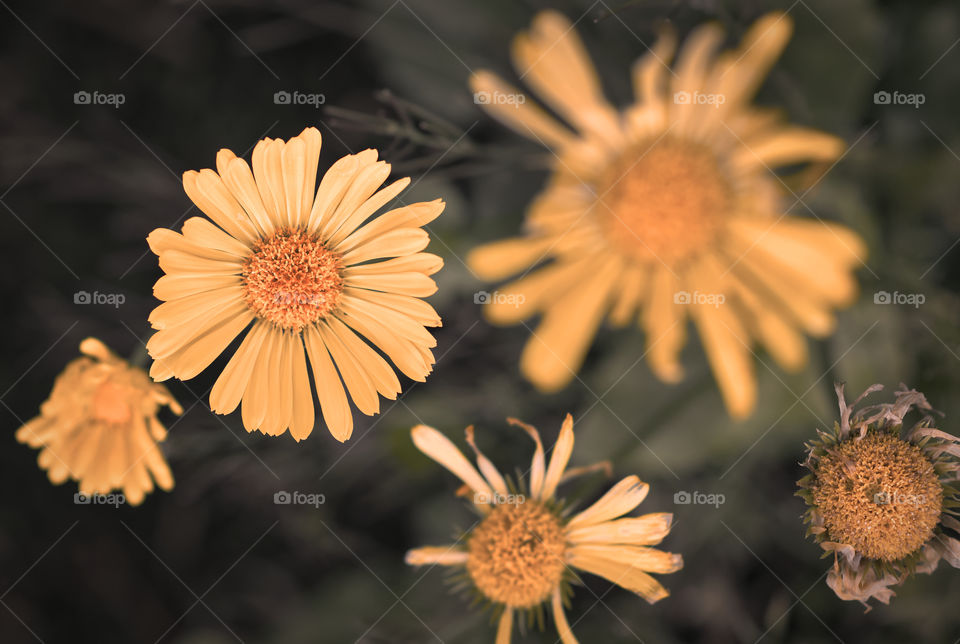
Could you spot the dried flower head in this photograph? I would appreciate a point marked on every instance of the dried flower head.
(882, 498)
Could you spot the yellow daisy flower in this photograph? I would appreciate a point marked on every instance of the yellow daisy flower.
(666, 210)
(524, 550)
(882, 498)
(99, 426)
(294, 262)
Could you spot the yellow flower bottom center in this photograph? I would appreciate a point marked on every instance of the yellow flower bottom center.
(111, 404)
(292, 279)
(663, 201)
(880, 495)
(516, 554)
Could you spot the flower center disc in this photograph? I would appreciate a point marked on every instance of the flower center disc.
(880, 495)
(111, 404)
(663, 202)
(292, 280)
(516, 554)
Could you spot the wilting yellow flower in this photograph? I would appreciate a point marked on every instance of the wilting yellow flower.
(524, 550)
(881, 497)
(666, 210)
(99, 426)
(295, 261)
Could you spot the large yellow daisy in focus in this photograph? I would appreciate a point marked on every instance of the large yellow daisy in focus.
(667, 210)
(302, 267)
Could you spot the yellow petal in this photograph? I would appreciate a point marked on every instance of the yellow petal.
(620, 499)
(415, 215)
(436, 556)
(633, 579)
(665, 324)
(508, 105)
(560, 618)
(646, 559)
(505, 626)
(398, 242)
(440, 449)
(207, 190)
(363, 212)
(254, 406)
(557, 348)
(487, 468)
(355, 377)
(330, 392)
(537, 466)
(648, 530)
(228, 389)
(559, 458)
(501, 259)
(552, 59)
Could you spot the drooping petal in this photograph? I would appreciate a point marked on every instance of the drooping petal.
(443, 451)
(487, 468)
(537, 466)
(611, 569)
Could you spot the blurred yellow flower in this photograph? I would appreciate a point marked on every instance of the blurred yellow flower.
(525, 549)
(295, 260)
(667, 210)
(882, 500)
(99, 427)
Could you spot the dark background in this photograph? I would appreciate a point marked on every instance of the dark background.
(216, 560)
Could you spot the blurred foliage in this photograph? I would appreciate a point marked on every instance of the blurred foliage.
(215, 560)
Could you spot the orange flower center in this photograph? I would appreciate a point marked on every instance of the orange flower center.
(292, 279)
(111, 403)
(663, 201)
(878, 494)
(516, 554)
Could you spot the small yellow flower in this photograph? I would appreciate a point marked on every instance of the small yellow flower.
(881, 497)
(665, 211)
(294, 262)
(524, 550)
(99, 426)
